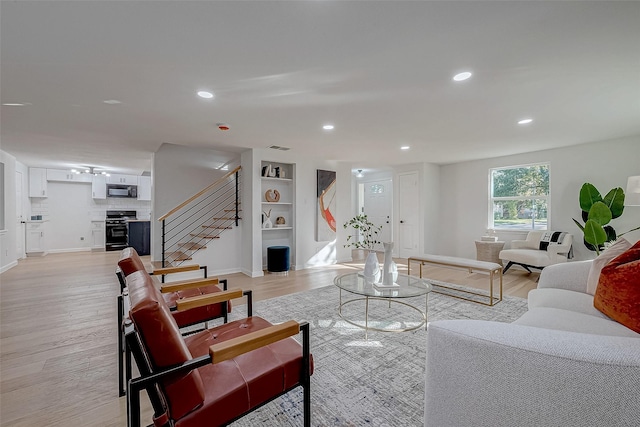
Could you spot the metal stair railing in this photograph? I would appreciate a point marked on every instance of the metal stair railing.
(187, 228)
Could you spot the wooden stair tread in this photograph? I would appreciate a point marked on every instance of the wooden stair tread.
(204, 236)
(178, 256)
(231, 218)
(217, 227)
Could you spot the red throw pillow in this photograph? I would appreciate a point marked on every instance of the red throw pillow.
(618, 291)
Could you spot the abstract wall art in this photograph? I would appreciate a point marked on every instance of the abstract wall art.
(325, 213)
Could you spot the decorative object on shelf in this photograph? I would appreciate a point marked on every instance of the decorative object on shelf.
(597, 213)
(326, 193)
(272, 196)
(266, 170)
(272, 171)
(282, 173)
(280, 220)
(267, 222)
(389, 268)
(276, 171)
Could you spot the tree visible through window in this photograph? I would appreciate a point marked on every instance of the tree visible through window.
(520, 197)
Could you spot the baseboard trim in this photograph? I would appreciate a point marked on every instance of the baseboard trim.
(60, 251)
(8, 266)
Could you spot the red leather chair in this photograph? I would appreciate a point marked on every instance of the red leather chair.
(130, 262)
(215, 376)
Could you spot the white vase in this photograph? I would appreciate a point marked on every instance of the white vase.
(389, 267)
(371, 271)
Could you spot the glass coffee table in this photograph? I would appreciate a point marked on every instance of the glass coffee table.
(408, 287)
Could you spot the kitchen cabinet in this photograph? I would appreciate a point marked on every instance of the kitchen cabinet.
(97, 235)
(139, 236)
(99, 187)
(277, 202)
(67, 176)
(37, 182)
(122, 179)
(144, 188)
(35, 238)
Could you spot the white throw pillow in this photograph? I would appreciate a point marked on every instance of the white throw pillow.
(619, 247)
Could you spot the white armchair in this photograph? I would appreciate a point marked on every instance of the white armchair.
(528, 253)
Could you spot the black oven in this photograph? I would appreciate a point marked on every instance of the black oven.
(116, 229)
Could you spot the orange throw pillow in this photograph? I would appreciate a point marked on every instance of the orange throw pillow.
(618, 291)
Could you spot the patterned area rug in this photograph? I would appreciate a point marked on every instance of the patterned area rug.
(374, 382)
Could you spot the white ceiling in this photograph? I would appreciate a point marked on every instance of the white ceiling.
(379, 71)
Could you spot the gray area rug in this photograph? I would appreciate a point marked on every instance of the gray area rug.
(357, 382)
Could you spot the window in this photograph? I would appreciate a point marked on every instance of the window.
(519, 198)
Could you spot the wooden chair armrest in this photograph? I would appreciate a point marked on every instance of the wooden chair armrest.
(171, 270)
(187, 284)
(200, 300)
(246, 343)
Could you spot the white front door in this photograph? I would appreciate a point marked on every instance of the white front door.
(378, 199)
(409, 212)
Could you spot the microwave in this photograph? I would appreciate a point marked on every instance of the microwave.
(119, 190)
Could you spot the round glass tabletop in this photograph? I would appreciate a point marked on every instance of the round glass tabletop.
(407, 286)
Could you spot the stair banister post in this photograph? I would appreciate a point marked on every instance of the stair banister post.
(163, 223)
(237, 183)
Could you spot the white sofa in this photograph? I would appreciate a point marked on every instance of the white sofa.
(527, 253)
(563, 363)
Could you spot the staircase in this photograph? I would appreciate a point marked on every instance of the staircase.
(187, 228)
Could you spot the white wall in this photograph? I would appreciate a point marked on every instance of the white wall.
(8, 255)
(178, 173)
(464, 191)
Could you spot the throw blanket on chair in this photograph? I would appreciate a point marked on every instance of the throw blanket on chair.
(556, 237)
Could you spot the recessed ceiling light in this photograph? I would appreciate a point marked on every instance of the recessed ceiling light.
(112, 102)
(327, 127)
(13, 104)
(524, 121)
(204, 94)
(462, 76)
(405, 147)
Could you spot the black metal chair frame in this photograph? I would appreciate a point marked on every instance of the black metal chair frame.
(525, 266)
(149, 380)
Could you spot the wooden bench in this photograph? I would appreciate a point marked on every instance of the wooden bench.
(491, 268)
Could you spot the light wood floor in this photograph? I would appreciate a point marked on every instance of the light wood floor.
(58, 332)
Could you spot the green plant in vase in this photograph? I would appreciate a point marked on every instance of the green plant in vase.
(368, 232)
(597, 213)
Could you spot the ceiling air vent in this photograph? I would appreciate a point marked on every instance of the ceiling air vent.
(277, 147)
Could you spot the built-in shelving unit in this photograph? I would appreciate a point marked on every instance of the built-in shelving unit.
(277, 201)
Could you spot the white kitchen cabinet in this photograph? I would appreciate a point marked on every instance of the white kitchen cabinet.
(37, 182)
(144, 188)
(99, 187)
(98, 236)
(122, 179)
(35, 239)
(67, 176)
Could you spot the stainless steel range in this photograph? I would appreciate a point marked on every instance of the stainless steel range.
(116, 229)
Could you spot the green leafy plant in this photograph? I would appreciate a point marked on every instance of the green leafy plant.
(597, 213)
(368, 231)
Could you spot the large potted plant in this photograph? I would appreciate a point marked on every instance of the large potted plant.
(367, 237)
(597, 213)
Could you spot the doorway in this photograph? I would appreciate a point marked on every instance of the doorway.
(375, 199)
(409, 213)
